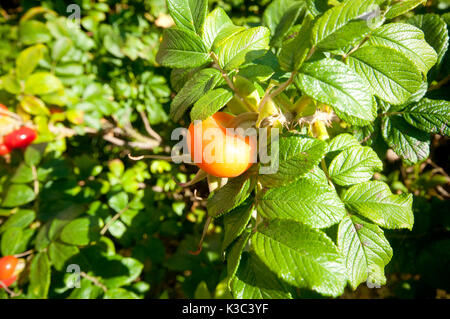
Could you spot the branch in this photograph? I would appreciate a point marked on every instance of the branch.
(115, 217)
(94, 280)
(148, 128)
(279, 89)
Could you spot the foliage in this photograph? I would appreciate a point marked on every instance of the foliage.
(343, 84)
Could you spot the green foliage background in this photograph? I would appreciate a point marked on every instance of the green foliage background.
(58, 202)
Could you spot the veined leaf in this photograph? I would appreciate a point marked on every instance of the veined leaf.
(235, 222)
(409, 40)
(302, 256)
(294, 51)
(40, 276)
(365, 249)
(401, 7)
(306, 200)
(334, 83)
(182, 49)
(210, 103)
(188, 14)
(243, 47)
(436, 33)
(194, 89)
(229, 196)
(254, 280)
(408, 142)
(342, 142)
(28, 59)
(218, 26)
(375, 201)
(390, 74)
(354, 165)
(296, 156)
(337, 18)
(431, 116)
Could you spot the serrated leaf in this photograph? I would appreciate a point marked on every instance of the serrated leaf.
(18, 195)
(408, 142)
(375, 201)
(302, 256)
(235, 222)
(365, 249)
(407, 39)
(334, 83)
(336, 20)
(401, 7)
(210, 103)
(436, 34)
(342, 142)
(229, 196)
(282, 16)
(296, 156)
(431, 116)
(355, 164)
(253, 280)
(217, 26)
(40, 276)
(295, 50)
(306, 200)
(188, 14)
(193, 90)
(243, 47)
(390, 74)
(182, 49)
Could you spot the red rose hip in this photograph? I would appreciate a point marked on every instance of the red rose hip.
(20, 138)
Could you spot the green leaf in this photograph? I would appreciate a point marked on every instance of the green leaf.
(42, 83)
(40, 273)
(196, 87)
(11, 240)
(33, 31)
(60, 253)
(302, 256)
(342, 142)
(354, 165)
(10, 83)
(408, 40)
(188, 14)
(33, 154)
(432, 116)
(210, 103)
(254, 280)
(401, 7)
(294, 51)
(235, 222)
(23, 174)
(334, 83)
(243, 47)
(122, 271)
(291, 14)
(182, 49)
(336, 19)
(33, 105)
(120, 293)
(22, 219)
(118, 202)
(307, 201)
(234, 254)
(375, 201)
(273, 15)
(28, 59)
(296, 156)
(436, 33)
(390, 74)
(408, 142)
(80, 231)
(365, 249)
(61, 47)
(218, 26)
(18, 195)
(231, 195)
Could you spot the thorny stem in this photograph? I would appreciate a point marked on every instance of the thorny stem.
(270, 95)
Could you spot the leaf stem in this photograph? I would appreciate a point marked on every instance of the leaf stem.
(325, 169)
